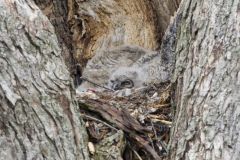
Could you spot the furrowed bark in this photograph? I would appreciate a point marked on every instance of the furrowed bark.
(207, 96)
(87, 27)
(38, 116)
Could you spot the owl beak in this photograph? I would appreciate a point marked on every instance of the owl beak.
(116, 86)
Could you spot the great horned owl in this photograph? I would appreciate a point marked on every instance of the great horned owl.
(125, 67)
(103, 64)
(138, 75)
(127, 77)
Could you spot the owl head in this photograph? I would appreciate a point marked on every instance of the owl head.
(126, 77)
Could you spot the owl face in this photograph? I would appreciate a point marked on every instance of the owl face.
(125, 77)
(120, 83)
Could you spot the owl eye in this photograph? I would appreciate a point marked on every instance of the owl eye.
(127, 84)
(116, 86)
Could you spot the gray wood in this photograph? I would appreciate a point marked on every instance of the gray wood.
(207, 93)
(39, 118)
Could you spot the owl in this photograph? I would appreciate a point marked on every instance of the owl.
(137, 76)
(122, 67)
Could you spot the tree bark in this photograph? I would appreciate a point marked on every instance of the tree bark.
(207, 93)
(39, 118)
(87, 27)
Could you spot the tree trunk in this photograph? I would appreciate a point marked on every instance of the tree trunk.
(87, 27)
(207, 93)
(39, 118)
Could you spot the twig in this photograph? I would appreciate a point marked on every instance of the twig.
(154, 130)
(155, 118)
(163, 145)
(95, 119)
(155, 133)
(135, 152)
(162, 105)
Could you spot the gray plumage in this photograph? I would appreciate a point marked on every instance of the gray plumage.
(123, 65)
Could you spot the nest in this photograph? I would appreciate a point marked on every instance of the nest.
(144, 116)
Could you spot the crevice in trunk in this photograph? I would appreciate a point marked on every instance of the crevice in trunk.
(85, 28)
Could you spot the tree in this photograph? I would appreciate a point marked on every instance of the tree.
(39, 118)
(207, 92)
(87, 27)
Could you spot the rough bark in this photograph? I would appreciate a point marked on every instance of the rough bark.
(38, 116)
(98, 25)
(57, 13)
(207, 93)
(87, 27)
